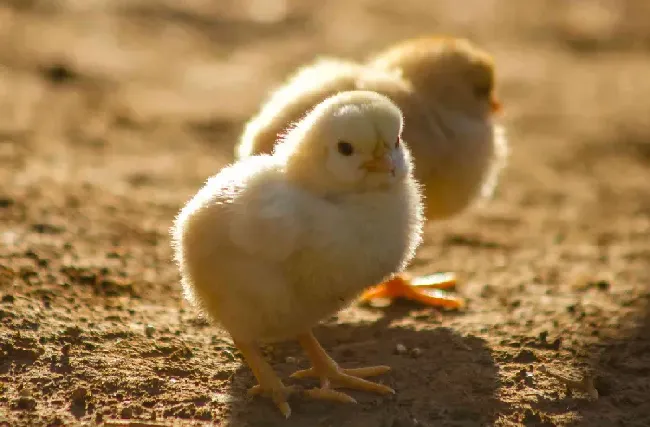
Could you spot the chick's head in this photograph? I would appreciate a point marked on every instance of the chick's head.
(454, 72)
(350, 142)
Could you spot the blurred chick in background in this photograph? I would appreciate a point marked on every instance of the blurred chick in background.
(445, 88)
(273, 244)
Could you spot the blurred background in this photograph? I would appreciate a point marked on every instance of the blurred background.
(113, 112)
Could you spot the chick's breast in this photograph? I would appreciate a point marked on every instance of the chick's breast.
(352, 244)
(268, 260)
(457, 159)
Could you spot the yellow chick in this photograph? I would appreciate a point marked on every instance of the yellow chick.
(273, 244)
(445, 88)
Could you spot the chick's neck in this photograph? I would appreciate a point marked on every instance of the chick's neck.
(307, 174)
(302, 171)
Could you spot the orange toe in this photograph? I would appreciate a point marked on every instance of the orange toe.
(427, 290)
(377, 291)
(434, 281)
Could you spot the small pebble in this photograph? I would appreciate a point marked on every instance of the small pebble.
(602, 285)
(416, 352)
(228, 355)
(65, 350)
(556, 344)
(149, 330)
(400, 349)
(525, 356)
(126, 413)
(59, 73)
(543, 336)
(80, 396)
(25, 403)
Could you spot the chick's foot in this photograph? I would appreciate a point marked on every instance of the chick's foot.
(269, 383)
(428, 290)
(331, 375)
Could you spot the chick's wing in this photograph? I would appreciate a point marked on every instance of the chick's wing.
(266, 222)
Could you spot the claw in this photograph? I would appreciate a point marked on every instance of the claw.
(368, 371)
(269, 383)
(331, 375)
(427, 290)
(329, 394)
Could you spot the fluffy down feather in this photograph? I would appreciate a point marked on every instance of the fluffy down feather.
(445, 88)
(268, 253)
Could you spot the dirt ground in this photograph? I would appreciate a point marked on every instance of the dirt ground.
(113, 112)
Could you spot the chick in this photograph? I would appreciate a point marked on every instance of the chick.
(272, 244)
(445, 88)
(459, 150)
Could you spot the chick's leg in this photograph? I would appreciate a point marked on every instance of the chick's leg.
(269, 383)
(428, 290)
(330, 374)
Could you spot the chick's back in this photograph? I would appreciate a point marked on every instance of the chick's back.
(267, 259)
(305, 89)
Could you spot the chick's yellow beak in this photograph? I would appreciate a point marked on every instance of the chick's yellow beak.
(383, 163)
(495, 105)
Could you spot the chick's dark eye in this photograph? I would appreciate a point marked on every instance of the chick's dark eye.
(345, 148)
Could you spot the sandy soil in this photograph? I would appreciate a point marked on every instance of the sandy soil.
(113, 112)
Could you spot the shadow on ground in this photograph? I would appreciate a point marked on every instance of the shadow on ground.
(440, 377)
(622, 371)
(619, 365)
